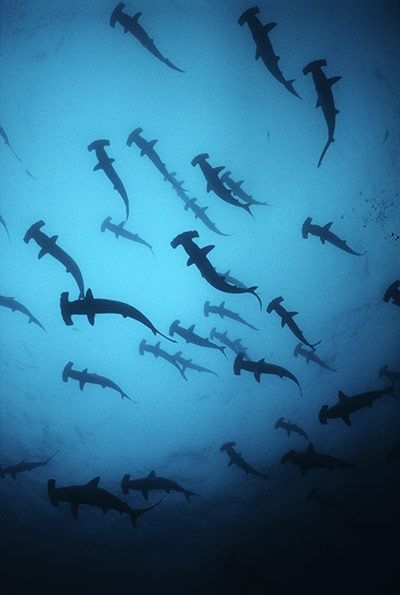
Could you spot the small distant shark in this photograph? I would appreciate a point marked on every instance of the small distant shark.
(235, 346)
(390, 374)
(90, 306)
(153, 483)
(191, 337)
(394, 453)
(311, 459)
(22, 466)
(236, 459)
(158, 352)
(325, 234)
(131, 24)
(120, 231)
(198, 257)
(85, 377)
(393, 293)
(264, 49)
(91, 495)
(237, 190)
(105, 163)
(214, 182)
(325, 98)
(311, 356)
(188, 364)
(289, 427)
(262, 367)
(348, 405)
(14, 306)
(3, 223)
(222, 312)
(7, 142)
(48, 245)
(287, 318)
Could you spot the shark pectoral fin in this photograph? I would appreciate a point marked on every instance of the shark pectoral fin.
(42, 252)
(207, 249)
(81, 384)
(328, 226)
(136, 16)
(97, 167)
(90, 318)
(283, 322)
(336, 112)
(346, 420)
(74, 509)
(257, 375)
(333, 80)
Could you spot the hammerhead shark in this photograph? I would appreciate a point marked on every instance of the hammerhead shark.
(7, 142)
(235, 346)
(236, 458)
(312, 459)
(325, 234)
(214, 182)
(393, 293)
(90, 306)
(158, 352)
(147, 148)
(384, 372)
(22, 466)
(287, 318)
(153, 483)
(3, 223)
(222, 312)
(91, 495)
(261, 367)
(190, 336)
(394, 453)
(325, 100)
(348, 405)
(48, 245)
(188, 364)
(120, 231)
(131, 25)
(105, 163)
(198, 257)
(14, 306)
(85, 377)
(311, 356)
(289, 427)
(237, 190)
(264, 49)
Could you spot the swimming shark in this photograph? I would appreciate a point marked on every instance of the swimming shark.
(120, 231)
(223, 312)
(312, 459)
(188, 364)
(384, 372)
(3, 223)
(290, 427)
(22, 466)
(48, 245)
(237, 190)
(236, 458)
(287, 318)
(393, 293)
(394, 453)
(91, 495)
(86, 377)
(190, 336)
(311, 356)
(348, 405)
(261, 367)
(325, 234)
(158, 352)
(153, 483)
(235, 346)
(325, 99)
(14, 306)
(90, 306)
(198, 257)
(131, 25)
(7, 142)
(264, 49)
(105, 163)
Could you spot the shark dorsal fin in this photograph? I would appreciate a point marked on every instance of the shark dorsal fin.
(261, 361)
(157, 344)
(207, 249)
(153, 142)
(53, 239)
(222, 305)
(93, 483)
(89, 295)
(342, 396)
(328, 226)
(191, 328)
(152, 474)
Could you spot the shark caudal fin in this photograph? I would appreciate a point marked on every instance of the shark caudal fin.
(125, 484)
(135, 513)
(253, 291)
(328, 143)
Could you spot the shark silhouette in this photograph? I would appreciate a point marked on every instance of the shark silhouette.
(262, 367)
(311, 356)
(290, 427)
(236, 458)
(393, 293)
(190, 336)
(85, 377)
(158, 352)
(325, 234)
(23, 466)
(384, 372)
(237, 190)
(223, 312)
(312, 459)
(235, 346)
(287, 318)
(348, 405)
(14, 306)
(153, 483)
(120, 231)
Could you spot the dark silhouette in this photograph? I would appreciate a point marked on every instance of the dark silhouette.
(120, 231)
(235, 346)
(7, 142)
(262, 367)
(153, 483)
(393, 293)
(188, 364)
(3, 223)
(158, 352)
(85, 377)
(325, 234)
(384, 372)
(232, 280)
(14, 306)
(223, 312)
(348, 405)
(311, 459)
(190, 336)
(236, 458)
(237, 190)
(290, 427)
(22, 466)
(287, 318)
(311, 356)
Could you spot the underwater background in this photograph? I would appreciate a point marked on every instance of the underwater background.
(67, 79)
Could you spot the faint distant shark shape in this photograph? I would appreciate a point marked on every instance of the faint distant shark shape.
(147, 148)
(394, 453)
(90, 306)
(91, 495)
(153, 483)
(190, 336)
(222, 312)
(105, 163)
(384, 372)
(7, 142)
(287, 318)
(325, 234)
(325, 502)
(188, 364)
(131, 24)
(312, 459)
(214, 182)
(311, 356)
(198, 257)
(264, 49)
(120, 231)
(3, 223)
(324, 98)
(236, 458)
(237, 190)
(393, 293)
(48, 245)
(85, 377)
(12, 304)
(235, 346)
(22, 466)
(262, 367)
(348, 405)
(289, 427)
(158, 352)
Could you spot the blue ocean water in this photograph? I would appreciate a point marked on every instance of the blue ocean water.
(68, 79)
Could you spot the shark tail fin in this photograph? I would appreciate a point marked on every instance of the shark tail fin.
(329, 141)
(253, 291)
(125, 484)
(135, 513)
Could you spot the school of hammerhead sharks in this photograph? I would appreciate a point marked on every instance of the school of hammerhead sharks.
(230, 191)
